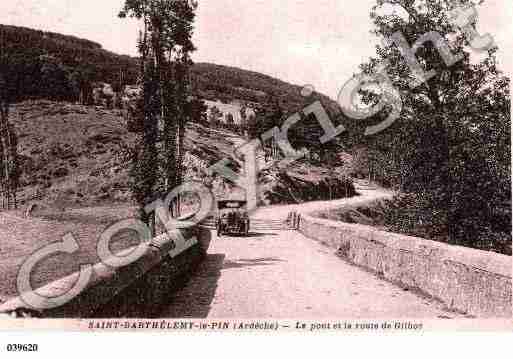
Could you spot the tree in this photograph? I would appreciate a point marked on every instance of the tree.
(440, 145)
(229, 119)
(251, 127)
(167, 41)
(198, 110)
(244, 119)
(9, 167)
(144, 167)
(214, 117)
(270, 115)
(81, 80)
(54, 78)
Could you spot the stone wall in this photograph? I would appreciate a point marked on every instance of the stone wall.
(467, 280)
(139, 287)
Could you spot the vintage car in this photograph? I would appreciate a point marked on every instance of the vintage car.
(232, 218)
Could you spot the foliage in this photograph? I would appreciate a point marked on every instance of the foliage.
(197, 110)
(218, 82)
(165, 46)
(270, 114)
(214, 117)
(9, 159)
(229, 119)
(413, 214)
(54, 77)
(451, 144)
(32, 57)
(95, 64)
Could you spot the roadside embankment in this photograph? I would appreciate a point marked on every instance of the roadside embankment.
(163, 263)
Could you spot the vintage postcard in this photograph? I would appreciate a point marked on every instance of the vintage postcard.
(255, 166)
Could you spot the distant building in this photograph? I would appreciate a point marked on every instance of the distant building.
(232, 109)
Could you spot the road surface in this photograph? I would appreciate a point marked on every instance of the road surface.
(283, 274)
(272, 274)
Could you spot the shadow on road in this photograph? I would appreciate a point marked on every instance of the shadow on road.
(79, 218)
(256, 234)
(241, 263)
(249, 235)
(195, 298)
(154, 292)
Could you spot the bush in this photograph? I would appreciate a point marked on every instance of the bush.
(421, 215)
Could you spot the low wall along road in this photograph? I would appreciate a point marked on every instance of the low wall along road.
(111, 292)
(466, 280)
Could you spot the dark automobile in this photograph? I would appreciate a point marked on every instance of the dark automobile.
(232, 218)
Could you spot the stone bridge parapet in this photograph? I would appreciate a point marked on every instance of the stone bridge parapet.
(470, 281)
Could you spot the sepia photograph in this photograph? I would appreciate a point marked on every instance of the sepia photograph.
(329, 166)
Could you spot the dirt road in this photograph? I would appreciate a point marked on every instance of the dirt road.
(273, 274)
(283, 274)
(282, 211)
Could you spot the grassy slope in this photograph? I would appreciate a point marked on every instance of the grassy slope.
(77, 156)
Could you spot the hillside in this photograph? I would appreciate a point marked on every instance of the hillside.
(227, 83)
(74, 156)
(32, 59)
(79, 155)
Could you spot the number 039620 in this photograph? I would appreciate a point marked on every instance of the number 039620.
(22, 347)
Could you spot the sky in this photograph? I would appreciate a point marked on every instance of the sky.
(317, 42)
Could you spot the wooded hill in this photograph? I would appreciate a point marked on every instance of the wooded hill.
(40, 64)
(48, 65)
